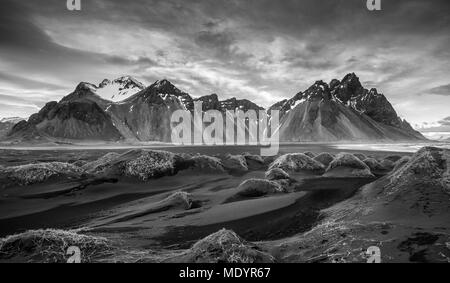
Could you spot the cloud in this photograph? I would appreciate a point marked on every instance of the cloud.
(12, 106)
(440, 90)
(440, 126)
(445, 121)
(260, 49)
(28, 83)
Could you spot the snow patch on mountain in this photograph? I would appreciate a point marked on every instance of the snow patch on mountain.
(119, 89)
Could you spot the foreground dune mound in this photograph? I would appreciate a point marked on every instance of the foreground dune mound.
(373, 164)
(405, 214)
(178, 201)
(400, 163)
(348, 165)
(393, 158)
(235, 163)
(224, 246)
(99, 165)
(276, 174)
(151, 164)
(324, 158)
(254, 162)
(360, 156)
(376, 167)
(258, 187)
(296, 163)
(428, 166)
(142, 165)
(50, 246)
(353, 242)
(30, 174)
(181, 200)
(207, 164)
(310, 154)
(387, 164)
(419, 189)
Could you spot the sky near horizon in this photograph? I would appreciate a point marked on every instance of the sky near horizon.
(262, 50)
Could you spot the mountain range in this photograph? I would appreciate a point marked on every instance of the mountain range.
(7, 124)
(125, 110)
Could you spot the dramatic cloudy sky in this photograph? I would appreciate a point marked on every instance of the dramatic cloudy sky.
(263, 50)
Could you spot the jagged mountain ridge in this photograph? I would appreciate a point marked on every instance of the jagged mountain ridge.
(119, 89)
(340, 111)
(143, 116)
(78, 116)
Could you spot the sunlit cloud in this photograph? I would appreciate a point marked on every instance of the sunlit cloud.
(261, 50)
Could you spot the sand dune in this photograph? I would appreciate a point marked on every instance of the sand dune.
(178, 204)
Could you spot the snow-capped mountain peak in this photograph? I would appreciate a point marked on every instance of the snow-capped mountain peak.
(119, 89)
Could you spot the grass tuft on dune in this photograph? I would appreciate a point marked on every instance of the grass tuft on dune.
(429, 164)
(348, 162)
(224, 246)
(324, 158)
(400, 163)
(207, 163)
(374, 165)
(50, 246)
(296, 162)
(30, 174)
(276, 174)
(97, 166)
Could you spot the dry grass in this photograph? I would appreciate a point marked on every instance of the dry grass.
(25, 175)
(50, 246)
(296, 162)
(224, 247)
(347, 160)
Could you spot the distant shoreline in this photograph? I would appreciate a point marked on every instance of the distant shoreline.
(406, 147)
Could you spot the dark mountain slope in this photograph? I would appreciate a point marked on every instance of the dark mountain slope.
(343, 112)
